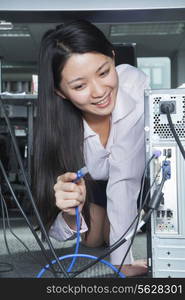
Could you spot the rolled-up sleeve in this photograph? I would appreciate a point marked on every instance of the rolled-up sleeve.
(62, 232)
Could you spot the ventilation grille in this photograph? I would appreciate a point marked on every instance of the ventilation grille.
(161, 127)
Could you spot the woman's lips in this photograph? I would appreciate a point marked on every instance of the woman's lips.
(103, 103)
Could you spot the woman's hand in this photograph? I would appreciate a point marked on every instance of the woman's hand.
(69, 194)
(138, 267)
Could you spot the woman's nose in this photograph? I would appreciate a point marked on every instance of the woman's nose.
(97, 89)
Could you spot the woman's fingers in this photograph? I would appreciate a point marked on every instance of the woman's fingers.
(68, 194)
(66, 186)
(67, 177)
(67, 204)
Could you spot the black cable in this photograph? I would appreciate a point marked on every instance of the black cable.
(5, 237)
(42, 228)
(139, 213)
(10, 266)
(131, 241)
(25, 217)
(4, 227)
(138, 216)
(110, 250)
(154, 202)
(18, 238)
(121, 240)
(7, 267)
(167, 110)
(140, 208)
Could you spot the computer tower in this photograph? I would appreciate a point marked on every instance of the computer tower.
(166, 233)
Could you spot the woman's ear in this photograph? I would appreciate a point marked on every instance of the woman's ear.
(113, 57)
(60, 94)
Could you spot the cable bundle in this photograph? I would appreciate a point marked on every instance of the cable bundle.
(66, 269)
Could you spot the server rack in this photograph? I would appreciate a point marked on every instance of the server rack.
(21, 111)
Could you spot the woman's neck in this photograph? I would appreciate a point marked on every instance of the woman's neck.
(101, 125)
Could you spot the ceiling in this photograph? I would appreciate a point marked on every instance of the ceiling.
(152, 39)
(155, 33)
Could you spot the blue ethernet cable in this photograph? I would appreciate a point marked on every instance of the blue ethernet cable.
(81, 256)
(80, 173)
(77, 239)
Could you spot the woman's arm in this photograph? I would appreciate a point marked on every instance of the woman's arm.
(68, 195)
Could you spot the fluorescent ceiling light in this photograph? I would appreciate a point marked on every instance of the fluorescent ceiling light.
(147, 29)
(5, 25)
(17, 31)
(14, 34)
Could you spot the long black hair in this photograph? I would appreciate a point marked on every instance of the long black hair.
(59, 132)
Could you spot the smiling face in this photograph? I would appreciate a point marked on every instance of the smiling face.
(90, 82)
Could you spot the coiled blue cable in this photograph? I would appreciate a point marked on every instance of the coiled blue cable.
(74, 256)
(81, 255)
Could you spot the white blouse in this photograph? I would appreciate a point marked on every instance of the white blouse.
(121, 162)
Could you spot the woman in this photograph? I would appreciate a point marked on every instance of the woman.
(89, 113)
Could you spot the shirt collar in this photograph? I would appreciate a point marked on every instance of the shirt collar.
(88, 130)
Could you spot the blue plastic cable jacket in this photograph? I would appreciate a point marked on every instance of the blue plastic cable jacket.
(77, 239)
(74, 256)
(82, 255)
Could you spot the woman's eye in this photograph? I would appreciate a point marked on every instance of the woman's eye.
(104, 73)
(78, 87)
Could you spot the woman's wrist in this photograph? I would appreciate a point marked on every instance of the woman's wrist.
(70, 220)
